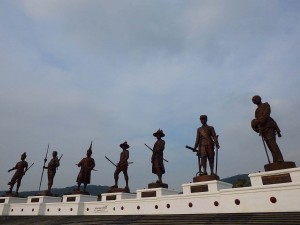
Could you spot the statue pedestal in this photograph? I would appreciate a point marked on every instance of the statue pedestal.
(157, 185)
(279, 166)
(202, 178)
(117, 189)
(79, 198)
(275, 177)
(43, 199)
(6, 201)
(154, 192)
(116, 196)
(205, 186)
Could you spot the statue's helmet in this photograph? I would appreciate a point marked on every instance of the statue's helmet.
(24, 155)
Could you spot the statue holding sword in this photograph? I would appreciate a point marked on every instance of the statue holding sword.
(206, 140)
(121, 166)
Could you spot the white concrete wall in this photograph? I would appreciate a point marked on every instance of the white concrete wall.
(219, 198)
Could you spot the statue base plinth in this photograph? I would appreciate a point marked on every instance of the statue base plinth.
(279, 166)
(11, 194)
(202, 178)
(117, 189)
(79, 192)
(158, 185)
(44, 193)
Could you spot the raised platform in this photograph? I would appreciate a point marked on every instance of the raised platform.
(273, 191)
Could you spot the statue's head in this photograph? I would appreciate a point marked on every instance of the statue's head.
(54, 153)
(159, 134)
(23, 156)
(203, 119)
(256, 99)
(124, 145)
(89, 152)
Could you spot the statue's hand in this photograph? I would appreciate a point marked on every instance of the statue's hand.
(279, 135)
(218, 146)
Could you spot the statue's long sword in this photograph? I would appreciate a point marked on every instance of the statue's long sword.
(119, 164)
(263, 140)
(152, 151)
(110, 161)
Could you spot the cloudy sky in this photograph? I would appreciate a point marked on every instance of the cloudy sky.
(110, 71)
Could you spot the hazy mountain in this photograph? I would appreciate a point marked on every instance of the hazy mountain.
(92, 189)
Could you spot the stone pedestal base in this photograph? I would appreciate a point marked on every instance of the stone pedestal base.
(5, 203)
(205, 186)
(79, 198)
(279, 166)
(44, 193)
(43, 199)
(116, 196)
(157, 185)
(117, 189)
(202, 178)
(275, 177)
(11, 194)
(78, 192)
(154, 192)
(9, 200)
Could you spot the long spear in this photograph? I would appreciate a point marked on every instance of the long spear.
(45, 160)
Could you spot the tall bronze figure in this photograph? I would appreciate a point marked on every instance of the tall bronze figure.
(157, 158)
(267, 128)
(52, 167)
(122, 166)
(21, 168)
(86, 165)
(206, 140)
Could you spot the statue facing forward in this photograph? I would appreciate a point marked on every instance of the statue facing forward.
(206, 140)
(157, 156)
(86, 165)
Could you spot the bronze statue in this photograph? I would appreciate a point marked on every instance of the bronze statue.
(52, 167)
(157, 159)
(21, 168)
(86, 165)
(266, 126)
(122, 166)
(206, 140)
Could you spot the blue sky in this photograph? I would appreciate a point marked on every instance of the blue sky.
(109, 71)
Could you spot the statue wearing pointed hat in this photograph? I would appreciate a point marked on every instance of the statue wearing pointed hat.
(20, 168)
(86, 165)
(157, 156)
